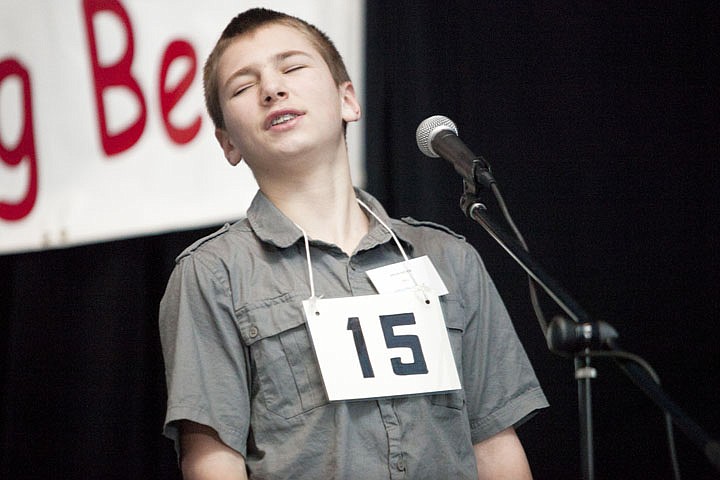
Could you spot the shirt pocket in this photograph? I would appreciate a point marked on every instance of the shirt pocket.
(454, 314)
(286, 375)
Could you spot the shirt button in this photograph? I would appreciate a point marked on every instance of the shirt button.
(401, 464)
(253, 331)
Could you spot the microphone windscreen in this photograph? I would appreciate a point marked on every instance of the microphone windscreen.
(427, 130)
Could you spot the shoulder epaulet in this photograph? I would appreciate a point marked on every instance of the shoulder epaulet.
(436, 226)
(197, 244)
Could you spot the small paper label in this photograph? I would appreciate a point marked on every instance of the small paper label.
(396, 277)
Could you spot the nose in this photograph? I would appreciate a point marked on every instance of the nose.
(271, 97)
(273, 89)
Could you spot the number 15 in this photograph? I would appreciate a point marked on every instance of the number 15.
(387, 322)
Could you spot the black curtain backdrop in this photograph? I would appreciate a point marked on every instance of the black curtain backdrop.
(601, 122)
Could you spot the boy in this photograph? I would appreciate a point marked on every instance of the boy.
(246, 392)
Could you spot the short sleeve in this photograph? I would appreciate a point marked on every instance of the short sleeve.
(206, 364)
(500, 384)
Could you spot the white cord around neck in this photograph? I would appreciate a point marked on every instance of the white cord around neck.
(309, 261)
(408, 270)
(397, 242)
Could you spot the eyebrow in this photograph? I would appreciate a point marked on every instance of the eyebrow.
(275, 59)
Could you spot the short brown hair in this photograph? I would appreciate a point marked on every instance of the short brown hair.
(249, 21)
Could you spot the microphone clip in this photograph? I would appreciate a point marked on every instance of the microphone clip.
(482, 178)
(482, 174)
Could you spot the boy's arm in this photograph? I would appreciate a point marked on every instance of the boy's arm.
(203, 456)
(502, 457)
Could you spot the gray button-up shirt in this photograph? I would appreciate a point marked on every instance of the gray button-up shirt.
(239, 359)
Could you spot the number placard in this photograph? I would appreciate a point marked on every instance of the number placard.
(381, 345)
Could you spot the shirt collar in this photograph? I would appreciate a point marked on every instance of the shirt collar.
(273, 227)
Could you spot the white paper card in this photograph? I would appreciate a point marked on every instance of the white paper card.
(396, 278)
(381, 345)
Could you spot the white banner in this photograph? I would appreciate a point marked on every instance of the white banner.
(103, 130)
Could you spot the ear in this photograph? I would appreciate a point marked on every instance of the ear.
(351, 111)
(232, 153)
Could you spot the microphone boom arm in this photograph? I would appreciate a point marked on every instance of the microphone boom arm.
(475, 210)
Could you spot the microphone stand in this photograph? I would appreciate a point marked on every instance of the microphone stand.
(474, 209)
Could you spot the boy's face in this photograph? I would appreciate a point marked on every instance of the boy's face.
(279, 100)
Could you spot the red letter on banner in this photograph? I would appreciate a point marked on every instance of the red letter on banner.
(114, 75)
(25, 148)
(170, 98)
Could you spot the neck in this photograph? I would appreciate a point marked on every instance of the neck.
(322, 203)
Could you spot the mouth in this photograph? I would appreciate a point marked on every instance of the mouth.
(282, 118)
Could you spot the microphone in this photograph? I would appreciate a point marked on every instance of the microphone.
(566, 336)
(437, 136)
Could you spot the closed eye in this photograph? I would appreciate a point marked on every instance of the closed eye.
(294, 68)
(242, 89)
